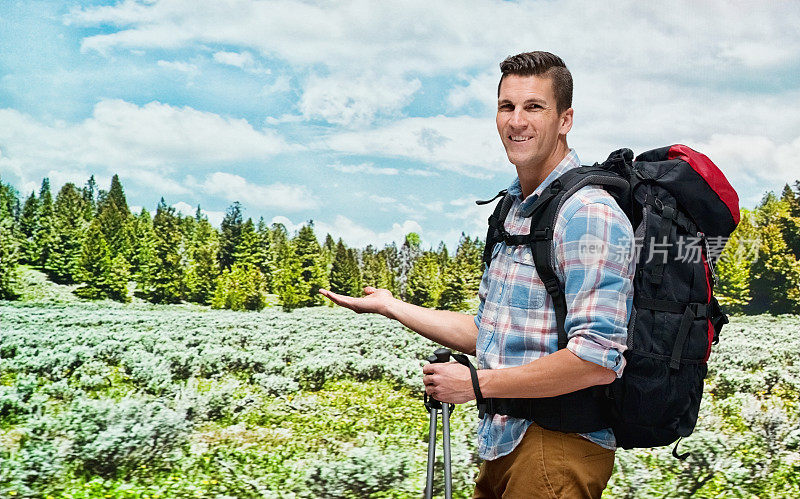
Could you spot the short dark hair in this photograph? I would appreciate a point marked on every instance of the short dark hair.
(541, 63)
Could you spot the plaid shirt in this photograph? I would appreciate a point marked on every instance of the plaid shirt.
(516, 319)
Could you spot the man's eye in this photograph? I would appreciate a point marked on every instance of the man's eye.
(506, 107)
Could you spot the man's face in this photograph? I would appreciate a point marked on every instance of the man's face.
(528, 122)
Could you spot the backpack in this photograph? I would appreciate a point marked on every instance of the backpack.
(680, 206)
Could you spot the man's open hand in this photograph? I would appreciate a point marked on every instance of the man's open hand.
(449, 382)
(376, 302)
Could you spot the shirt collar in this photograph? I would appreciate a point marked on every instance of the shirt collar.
(570, 161)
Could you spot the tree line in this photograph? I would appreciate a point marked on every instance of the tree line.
(759, 269)
(88, 236)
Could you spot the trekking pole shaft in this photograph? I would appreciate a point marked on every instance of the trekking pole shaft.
(431, 453)
(448, 477)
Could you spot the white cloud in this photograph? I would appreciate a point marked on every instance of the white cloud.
(364, 168)
(242, 60)
(370, 169)
(238, 59)
(382, 199)
(144, 143)
(430, 37)
(481, 89)
(463, 144)
(344, 100)
(677, 72)
(183, 67)
(748, 160)
(235, 188)
(281, 84)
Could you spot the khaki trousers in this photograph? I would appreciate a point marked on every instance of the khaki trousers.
(547, 464)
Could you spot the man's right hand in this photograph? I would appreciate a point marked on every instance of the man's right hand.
(376, 300)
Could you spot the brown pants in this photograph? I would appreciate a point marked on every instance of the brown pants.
(547, 464)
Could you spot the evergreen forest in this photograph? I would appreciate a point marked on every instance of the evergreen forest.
(88, 236)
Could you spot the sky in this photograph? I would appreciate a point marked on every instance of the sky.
(375, 119)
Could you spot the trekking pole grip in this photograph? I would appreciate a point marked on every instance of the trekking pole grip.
(439, 356)
(442, 355)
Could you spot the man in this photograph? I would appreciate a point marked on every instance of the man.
(513, 335)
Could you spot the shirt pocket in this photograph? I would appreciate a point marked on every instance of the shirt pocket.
(527, 290)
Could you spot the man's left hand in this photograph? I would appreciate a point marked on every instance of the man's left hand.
(449, 383)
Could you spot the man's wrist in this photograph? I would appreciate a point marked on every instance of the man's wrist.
(484, 376)
(390, 310)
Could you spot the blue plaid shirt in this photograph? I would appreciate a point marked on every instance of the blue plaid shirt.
(593, 257)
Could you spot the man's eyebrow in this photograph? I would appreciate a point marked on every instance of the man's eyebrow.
(534, 100)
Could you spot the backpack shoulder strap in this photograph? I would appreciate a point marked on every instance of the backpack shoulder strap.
(543, 215)
(496, 231)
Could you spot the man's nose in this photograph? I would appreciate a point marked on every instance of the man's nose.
(517, 120)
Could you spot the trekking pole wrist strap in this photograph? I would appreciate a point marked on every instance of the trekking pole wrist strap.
(473, 374)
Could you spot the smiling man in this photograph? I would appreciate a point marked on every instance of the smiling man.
(514, 334)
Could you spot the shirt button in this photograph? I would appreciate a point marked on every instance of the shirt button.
(508, 251)
(527, 258)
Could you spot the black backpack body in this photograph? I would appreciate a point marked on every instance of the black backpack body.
(677, 201)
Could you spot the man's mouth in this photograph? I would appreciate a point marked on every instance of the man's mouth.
(518, 138)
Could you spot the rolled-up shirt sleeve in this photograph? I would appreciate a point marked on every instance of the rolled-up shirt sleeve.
(594, 253)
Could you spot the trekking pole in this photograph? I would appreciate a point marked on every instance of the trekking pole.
(441, 355)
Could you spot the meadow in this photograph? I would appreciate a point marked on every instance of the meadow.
(102, 399)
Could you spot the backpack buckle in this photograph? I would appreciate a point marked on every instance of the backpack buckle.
(699, 310)
(545, 234)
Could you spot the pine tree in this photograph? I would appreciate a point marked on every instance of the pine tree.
(287, 275)
(248, 250)
(409, 253)
(203, 265)
(239, 288)
(789, 224)
(28, 222)
(115, 219)
(8, 242)
(376, 271)
(44, 233)
(95, 264)
(264, 260)
(455, 294)
(469, 259)
(775, 276)
(424, 286)
(164, 282)
(63, 263)
(443, 255)
(344, 278)
(117, 287)
(144, 240)
(8, 260)
(9, 202)
(391, 255)
(89, 194)
(734, 266)
(312, 264)
(354, 268)
(231, 235)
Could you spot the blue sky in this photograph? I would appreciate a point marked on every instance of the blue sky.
(374, 118)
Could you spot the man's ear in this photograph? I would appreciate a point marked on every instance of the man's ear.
(566, 122)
